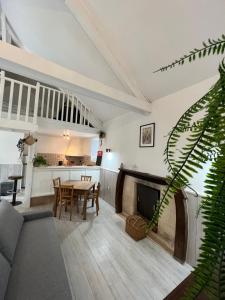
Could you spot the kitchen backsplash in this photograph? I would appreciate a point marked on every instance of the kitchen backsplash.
(53, 159)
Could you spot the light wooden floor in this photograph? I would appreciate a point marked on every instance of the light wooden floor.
(103, 262)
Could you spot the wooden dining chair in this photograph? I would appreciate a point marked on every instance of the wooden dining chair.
(94, 196)
(66, 195)
(85, 178)
(56, 185)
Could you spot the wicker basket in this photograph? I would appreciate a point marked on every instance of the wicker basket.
(136, 227)
(30, 140)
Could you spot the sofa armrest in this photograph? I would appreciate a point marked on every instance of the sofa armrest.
(34, 215)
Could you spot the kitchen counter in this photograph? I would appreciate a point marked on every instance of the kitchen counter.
(68, 167)
(42, 177)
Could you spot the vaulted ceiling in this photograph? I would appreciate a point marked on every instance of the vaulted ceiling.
(141, 36)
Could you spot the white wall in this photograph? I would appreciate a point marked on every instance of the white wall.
(59, 145)
(51, 144)
(79, 146)
(9, 153)
(122, 134)
(94, 148)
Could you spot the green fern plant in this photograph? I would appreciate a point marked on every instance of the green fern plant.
(203, 128)
(211, 47)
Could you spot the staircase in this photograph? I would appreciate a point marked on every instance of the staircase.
(26, 106)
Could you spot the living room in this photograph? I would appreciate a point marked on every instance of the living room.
(112, 150)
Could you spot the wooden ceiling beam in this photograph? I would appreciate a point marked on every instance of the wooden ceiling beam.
(83, 13)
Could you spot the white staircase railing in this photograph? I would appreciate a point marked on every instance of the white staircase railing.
(18, 100)
(62, 106)
(23, 102)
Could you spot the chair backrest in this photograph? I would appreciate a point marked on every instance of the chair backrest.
(85, 178)
(56, 182)
(67, 191)
(57, 187)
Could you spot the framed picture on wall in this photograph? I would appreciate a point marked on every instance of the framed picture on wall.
(147, 135)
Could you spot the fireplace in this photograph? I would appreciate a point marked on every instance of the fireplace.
(171, 231)
(147, 199)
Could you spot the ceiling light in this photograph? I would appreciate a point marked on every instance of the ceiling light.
(66, 134)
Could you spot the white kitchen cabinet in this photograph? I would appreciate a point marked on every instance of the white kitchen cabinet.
(42, 182)
(42, 177)
(95, 174)
(76, 174)
(63, 174)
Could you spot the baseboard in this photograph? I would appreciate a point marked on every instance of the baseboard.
(41, 200)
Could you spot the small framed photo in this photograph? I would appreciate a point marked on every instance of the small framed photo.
(147, 135)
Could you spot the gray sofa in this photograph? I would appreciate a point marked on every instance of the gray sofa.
(31, 262)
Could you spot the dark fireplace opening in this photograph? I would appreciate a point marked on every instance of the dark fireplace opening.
(147, 198)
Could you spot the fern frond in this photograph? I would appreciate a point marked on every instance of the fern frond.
(185, 120)
(207, 138)
(211, 47)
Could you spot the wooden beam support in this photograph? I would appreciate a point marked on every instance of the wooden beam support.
(3, 27)
(33, 66)
(83, 13)
(179, 292)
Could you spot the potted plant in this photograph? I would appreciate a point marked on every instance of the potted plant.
(205, 139)
(29, 140)
(39, 160)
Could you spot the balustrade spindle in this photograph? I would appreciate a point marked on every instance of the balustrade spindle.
(2, 88)
(76, 111)
(72, 109)
(81, 113)
(88, 123)
(19, 101)
(63, 101)
(67, 106)
(48, 100)
(53, 104)
(36, 100)
(28, 103)
(10, 99)
(42, 101)
(57, 111)
(85, 115)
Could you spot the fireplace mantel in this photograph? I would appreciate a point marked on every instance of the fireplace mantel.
(180, 246)
(120, 183)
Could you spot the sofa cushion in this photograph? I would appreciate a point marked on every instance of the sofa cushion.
(34, 215)
(38, 270)
(4, 275)
(10, 223)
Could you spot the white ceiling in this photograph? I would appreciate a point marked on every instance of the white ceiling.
(149, 34)
(47, 27)
(104, 111)
(146, 34)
